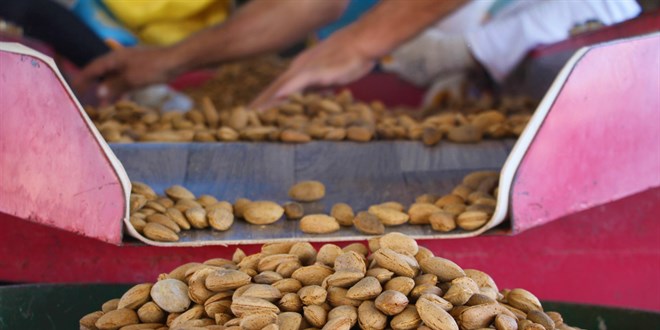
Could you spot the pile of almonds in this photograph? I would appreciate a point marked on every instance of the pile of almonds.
(303, 118)
(392, 284)
(469, 206)
(238, 83)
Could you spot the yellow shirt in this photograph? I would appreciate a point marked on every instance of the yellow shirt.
(164, 22)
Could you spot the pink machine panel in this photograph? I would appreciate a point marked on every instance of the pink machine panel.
(52, 168)
(601, 138)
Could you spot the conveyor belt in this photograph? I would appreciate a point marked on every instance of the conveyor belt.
(360, 174)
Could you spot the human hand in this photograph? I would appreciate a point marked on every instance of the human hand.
(126, 69)
(333, 62)
(430, 56)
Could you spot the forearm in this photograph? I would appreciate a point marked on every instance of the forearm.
(261, 26)
(392, 22)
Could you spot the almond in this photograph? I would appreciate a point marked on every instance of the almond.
(369, 317)
(289, 321)
(367, 288)
(165, 221)
(312, 295)
(136, 202)
(293, 210)
(197, 291)
(420, 212)
(449, 199)
(338, 323)
(393, 205)
(465, 134)
(290, 302)
(328, 253)
(207, 200)
(151, 313)
(88, 321)
(226, 133)
(143, 189)
(272, 261)
(315, 315)
(226, 279)
(369, 224)
(171, 295)
(471, 220)
(343, 279)
(442, 221)
(398, 263)
(307, 191)
(197, 217)
(305, 252)
(474, 179)
(184, 204)
(541, 318)
(178, 217)
(287, 285)
(263, 291)
(240, 206)
(388, 216)
(350, 261)
(117, 319)
(359, 133)
(434, 315)
(178, 192)
(480, 316)
(135, 296)
(461, 290)
(343, 213)
(399, 243)
(267, 277)
(337, 298)
(193, 313)
(312, 275)
(505, 322)
(158, 232)
(294, 136)
(445, 269)
(391, 302)
(247, 305)
(318, 224)
(258, 321)
(401, 284)
(409, 319)
(524, 300)
(110, 305)
(220, 219)
(263, 212)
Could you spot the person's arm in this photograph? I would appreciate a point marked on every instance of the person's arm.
(351, 52)
(261, 26)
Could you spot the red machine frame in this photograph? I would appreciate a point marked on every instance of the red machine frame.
(605, 255)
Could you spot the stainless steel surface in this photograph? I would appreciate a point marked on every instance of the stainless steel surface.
(360, 174)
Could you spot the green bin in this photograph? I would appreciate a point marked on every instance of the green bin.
(60, 306)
